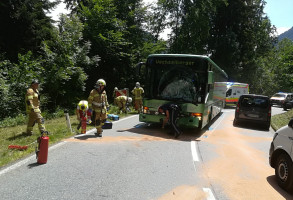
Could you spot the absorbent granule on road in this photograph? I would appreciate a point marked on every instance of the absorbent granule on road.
(242, 171)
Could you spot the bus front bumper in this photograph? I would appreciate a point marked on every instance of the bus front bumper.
(185, 121)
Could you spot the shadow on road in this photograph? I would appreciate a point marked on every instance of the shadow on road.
(251, 126)
(273, 182)
(32, 165)
(84, 136)
(155, 130)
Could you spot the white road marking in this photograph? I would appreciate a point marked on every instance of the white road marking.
(16, 165)
(209, 193)
(227, 111)
(194, 152)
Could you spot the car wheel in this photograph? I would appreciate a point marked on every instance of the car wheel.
(283, 171)
(235, 122)
(284, 107)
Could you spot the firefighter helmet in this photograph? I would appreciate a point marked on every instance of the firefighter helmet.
(129, 99)
(35, 81)
(101, 82)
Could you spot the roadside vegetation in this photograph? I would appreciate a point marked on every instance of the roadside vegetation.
(106, 39)
(13, 132)
(281, 120)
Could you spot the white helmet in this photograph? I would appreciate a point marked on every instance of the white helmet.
(129, 99)
(101, 82)
(115, 88)
(137, 84)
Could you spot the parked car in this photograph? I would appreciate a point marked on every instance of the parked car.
(278, 99)
(281, 155)
(253, 108)
(288, 102)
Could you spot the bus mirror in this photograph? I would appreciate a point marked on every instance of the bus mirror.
(138, 68)
(210, 77)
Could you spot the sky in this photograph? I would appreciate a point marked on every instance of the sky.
(280, 12)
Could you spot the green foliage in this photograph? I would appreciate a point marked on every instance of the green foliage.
(64, 61)
(284, 69)
(274, 71)
(24, 25)
(15, 79)
(10, 122)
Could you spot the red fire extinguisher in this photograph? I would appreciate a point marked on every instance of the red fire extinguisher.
(43, 147)
(83, 125)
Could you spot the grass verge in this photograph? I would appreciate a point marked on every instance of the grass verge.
(281, 120)
(16, 136)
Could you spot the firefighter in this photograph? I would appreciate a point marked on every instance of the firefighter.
(99, 104)
(122, 102)
(114, 93)
(171, 112)
(138, 96)
(33, 108)
(83, 113)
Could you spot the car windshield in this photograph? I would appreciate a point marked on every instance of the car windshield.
(255, 102)
(279, 95)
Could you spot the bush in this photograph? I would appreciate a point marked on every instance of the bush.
(9, 121)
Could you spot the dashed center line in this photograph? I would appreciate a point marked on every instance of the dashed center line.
(194, 152)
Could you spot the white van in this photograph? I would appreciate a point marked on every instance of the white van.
(234, 90)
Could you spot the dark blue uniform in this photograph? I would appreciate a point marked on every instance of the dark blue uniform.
(174, 111)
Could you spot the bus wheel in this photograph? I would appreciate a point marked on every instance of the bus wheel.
(210, 115)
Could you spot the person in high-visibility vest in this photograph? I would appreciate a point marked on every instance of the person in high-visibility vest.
(122, 103)
(83, 114)
(32, 103)
(98, 102)
(138, 96)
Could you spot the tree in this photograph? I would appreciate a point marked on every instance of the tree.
(284, 69)
(241, 33)
(24, 25)
(233, 32)
(65, 60)
(15, 80)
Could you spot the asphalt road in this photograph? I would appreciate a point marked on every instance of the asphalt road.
(137, 161)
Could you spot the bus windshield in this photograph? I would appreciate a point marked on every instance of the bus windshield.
(176, 82)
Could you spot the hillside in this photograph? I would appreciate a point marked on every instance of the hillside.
(287, 34)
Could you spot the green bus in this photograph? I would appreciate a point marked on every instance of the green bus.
(194, 82)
